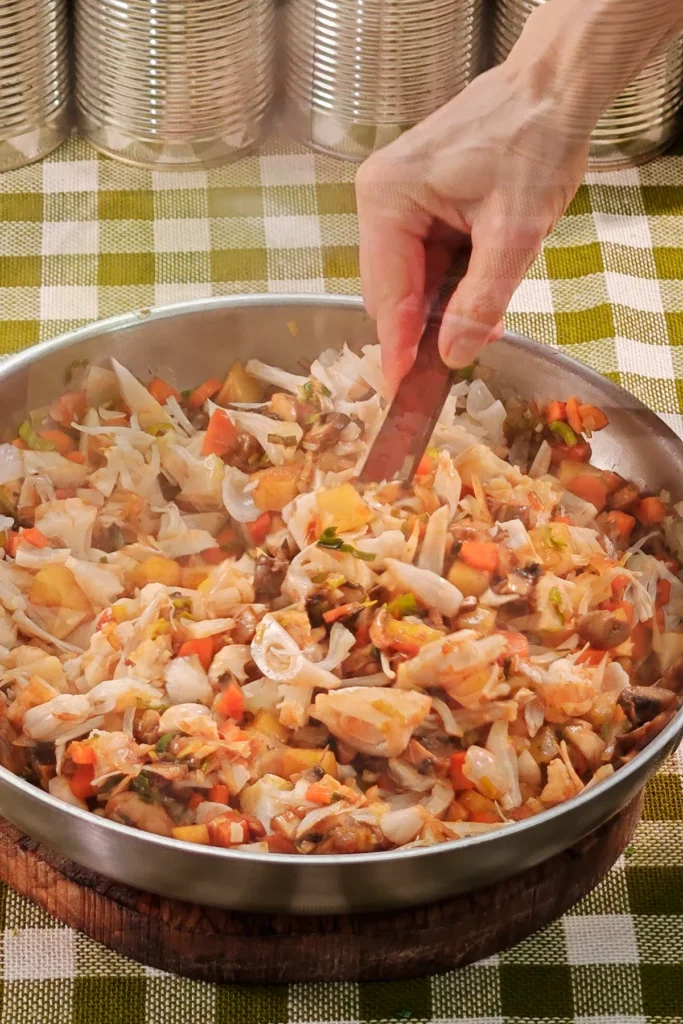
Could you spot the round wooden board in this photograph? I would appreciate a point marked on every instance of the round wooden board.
(222, 946)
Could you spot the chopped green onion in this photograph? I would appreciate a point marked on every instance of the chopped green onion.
(329, 539)
(35, 443)
(288, 441)
(307, 391)
(564, 431)
(403, 605)
(555, 598)
(325, 391)
(552, 540)
(163, 742)
(145, 790)
(330, 580)
(157, 429)
(467, 372)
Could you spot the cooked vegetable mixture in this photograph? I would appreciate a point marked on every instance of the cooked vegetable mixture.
(208, 632)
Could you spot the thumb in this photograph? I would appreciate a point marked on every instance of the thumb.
(473, 317)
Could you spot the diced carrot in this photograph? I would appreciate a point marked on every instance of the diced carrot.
(591, 656)
(205, 391)
(622, 522)
(318, 795)
(78, 457)
(567, 520)
(590, 489)
(214, 556)
(517, 644)
(279, 844)
(580, 452)
(641, 636)
(485, 817)
(623, 608)
(34, 537)
(574, 416)
(231, 702)
(460, 782)
(663, 592)
(650, 511)
(195, 800)
(341, 612)
(19, 443)
(620, 583)
(69, 408)
(228, 539)
(228, 829)
(259, 529)
(555, 411)
(480, 555)
(202, 647)
(161, 390)
(425, 466)
(221, 434)
(81, 781)
(218, 794)
(59, 439)
(82, 753)
(592, 418)
(11, 542)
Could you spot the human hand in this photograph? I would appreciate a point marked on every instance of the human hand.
(494, 166)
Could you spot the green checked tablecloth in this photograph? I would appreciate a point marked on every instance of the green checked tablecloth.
(82, 237)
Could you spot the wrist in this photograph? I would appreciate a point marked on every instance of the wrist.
(575, 57)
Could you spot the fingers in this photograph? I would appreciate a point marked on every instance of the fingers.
(392, 266)
(501, 255)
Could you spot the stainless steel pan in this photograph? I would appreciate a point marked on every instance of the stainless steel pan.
(187, 343)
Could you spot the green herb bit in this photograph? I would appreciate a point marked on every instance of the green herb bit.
(555, 598)
(287, 441)
(163, 742)
(564, 431)
(306, 391)
(329, 539)
(403, 605)
(552, 540)
(158, 429)
(325, 391)
(145, 790)
(34, 442)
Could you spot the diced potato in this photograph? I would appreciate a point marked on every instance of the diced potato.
(240, 386)
(343, 508)
(295, 761)
(192, 576)
(276, 487)
(470, 582)
(192, 834)
(267, 723)
(55, 587)
(158, 569)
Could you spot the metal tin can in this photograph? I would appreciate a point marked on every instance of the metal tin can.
(177, 84)
(641, 123)
(34, 80)
(359, 72)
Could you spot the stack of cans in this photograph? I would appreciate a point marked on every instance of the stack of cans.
(34, 80)
(642, 122)
(359, 72)
(171, 84)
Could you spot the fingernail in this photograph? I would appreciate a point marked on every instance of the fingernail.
(462, 339)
